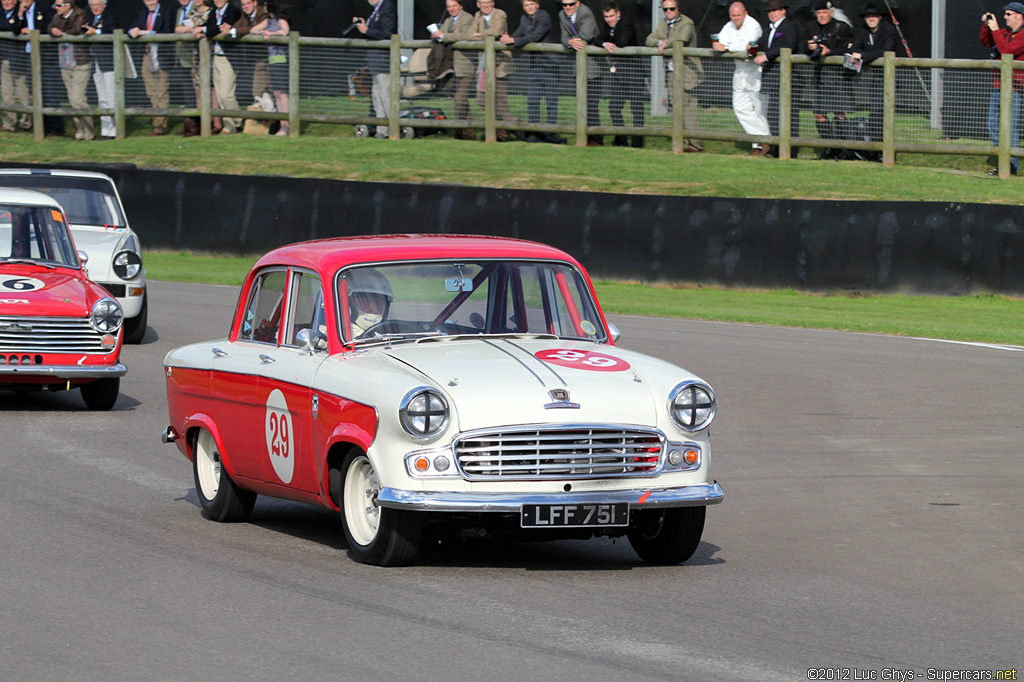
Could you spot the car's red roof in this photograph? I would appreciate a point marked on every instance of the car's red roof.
(328, 255)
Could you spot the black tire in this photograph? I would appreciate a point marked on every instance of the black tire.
(666, 536)
(222, 500)
(375, 535)
(101, 394)
(135, 327)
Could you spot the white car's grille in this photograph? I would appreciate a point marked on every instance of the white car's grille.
(559, 452)
(49, 335)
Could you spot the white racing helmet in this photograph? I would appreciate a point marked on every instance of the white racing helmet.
(367, 281)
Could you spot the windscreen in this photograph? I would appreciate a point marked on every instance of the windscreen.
(86, 201)
(410, 300)
(35, 233)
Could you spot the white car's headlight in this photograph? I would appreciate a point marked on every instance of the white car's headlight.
(424, 412)
(692, 405)
(127, 264)
(106, 316)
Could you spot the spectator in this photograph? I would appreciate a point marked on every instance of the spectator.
(380, 25)
(75, 62)
(542, 79)
(152, 20)
(184, 54)
(219, 22)
(579, 29)
(494, 22)
(36, 16)
(875, 39)
(458, 25)
(103, 22)
(781, 33)
(253, 13)
(740, 34)
(1009, 40)
(678, 28)
(13, 77)
(827, 36)
(622, 80)
(276, 25)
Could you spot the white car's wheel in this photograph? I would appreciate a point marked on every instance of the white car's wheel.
(408, 133)
(220, 497)
(362, 131)
(375, 534)
(135, 327)
(666, 536)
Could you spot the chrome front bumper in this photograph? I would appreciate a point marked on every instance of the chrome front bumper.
(65, 371)
(688, 496)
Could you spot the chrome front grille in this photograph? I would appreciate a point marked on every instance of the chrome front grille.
(559, 452)
(49, 335)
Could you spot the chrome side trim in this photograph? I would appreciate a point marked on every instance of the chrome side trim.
(686, 496)
(65, 371)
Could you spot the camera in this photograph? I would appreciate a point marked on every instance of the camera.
(988, 17)
(817, 50)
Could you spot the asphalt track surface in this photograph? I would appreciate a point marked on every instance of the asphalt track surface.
(872, 522)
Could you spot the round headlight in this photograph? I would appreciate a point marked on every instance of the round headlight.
(106, 316)
(424, 412)
(127, 264)
(692, 405)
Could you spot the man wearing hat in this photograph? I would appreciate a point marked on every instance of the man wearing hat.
(1009, 40)
(826, 36)
(873, 40)
(781, 32)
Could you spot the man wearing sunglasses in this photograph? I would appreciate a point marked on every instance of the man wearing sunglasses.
(678, 28)
(1009, 40)
(579, 29)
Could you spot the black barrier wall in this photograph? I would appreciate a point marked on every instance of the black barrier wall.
(814, 245)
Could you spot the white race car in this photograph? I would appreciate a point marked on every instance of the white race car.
(101, 231)
(442, 385)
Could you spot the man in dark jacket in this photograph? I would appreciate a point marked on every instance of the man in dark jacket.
(781, 32)
(536, 26)
(223, 15)
(102, 21)
(380, 25)
(873, 40)
(826, 36)
(156, 58)
(13, 77)
(621, 77)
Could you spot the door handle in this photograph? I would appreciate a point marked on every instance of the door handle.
(266, 359)
(219, 353)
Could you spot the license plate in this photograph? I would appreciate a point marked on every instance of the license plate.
(574, 515)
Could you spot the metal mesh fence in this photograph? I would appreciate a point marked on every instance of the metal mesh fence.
(934, 107)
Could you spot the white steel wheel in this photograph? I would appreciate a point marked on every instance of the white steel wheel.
(362, 131)
(208, 468)
(220, 497)
(375, 534)
(360, 495)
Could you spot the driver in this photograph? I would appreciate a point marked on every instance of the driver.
(369, 297)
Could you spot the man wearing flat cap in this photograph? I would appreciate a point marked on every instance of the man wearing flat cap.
(781, 32)
(1009, 40)
(827, 36)
(873, 40)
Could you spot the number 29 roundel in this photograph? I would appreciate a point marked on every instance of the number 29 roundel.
(585, 360)
(280, 438)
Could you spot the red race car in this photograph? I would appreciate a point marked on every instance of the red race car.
(58, 330)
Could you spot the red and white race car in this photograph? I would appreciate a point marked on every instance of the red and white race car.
(58, 330)
(442, 384)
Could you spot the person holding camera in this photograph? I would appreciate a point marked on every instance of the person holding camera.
(1009, 40)
(827, 36)
(875, 39)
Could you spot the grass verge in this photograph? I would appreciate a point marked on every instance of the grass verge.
(988, 319)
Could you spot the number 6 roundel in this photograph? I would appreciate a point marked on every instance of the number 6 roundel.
(586, 360)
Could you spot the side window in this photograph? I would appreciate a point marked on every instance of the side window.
(263, 314)
(308, 306)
